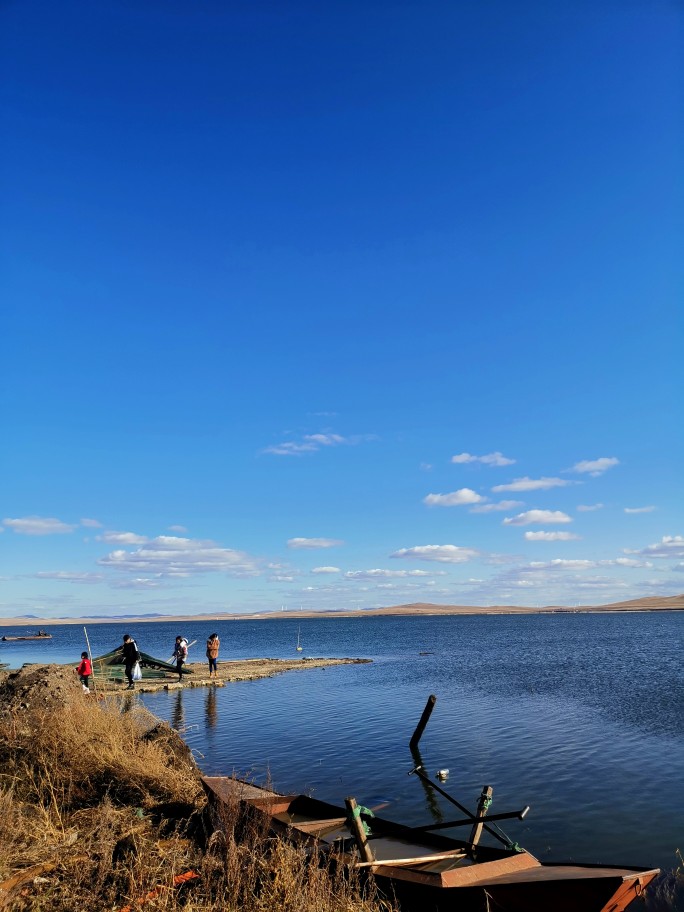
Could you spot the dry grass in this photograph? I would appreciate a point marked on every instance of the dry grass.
(101, 809)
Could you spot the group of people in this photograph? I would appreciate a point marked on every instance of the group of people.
(131, 657)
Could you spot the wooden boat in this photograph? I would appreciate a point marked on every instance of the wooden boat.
(427, 871)
(37, 636)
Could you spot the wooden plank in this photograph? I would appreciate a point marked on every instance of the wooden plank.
(419, 860)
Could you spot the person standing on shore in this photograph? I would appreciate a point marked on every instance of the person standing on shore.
(213, 646)
(130, 656)
(180, 654)
(84, 672)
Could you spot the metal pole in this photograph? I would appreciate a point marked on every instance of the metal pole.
(420, 728)
(90, 656)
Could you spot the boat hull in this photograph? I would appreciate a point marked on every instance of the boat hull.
(9, 639)
(430, 872)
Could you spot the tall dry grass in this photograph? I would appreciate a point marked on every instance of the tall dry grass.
(101, 808)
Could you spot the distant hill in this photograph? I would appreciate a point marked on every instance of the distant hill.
(655, 603)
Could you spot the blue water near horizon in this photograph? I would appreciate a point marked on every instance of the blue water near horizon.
(581, 716)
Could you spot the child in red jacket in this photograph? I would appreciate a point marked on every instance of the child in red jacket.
(84, 672)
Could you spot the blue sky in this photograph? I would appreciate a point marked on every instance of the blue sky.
(339, 305)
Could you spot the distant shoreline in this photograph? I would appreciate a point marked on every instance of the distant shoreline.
(669, 603)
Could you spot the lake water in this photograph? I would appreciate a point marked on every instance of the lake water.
(580, 716)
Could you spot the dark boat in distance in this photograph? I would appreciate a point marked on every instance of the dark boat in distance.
(41, 635)
(427, 871)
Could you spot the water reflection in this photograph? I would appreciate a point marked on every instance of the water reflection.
(210, 708)
(177, 711)
(431, 802)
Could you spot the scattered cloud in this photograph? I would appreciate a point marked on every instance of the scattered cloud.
(279, 578)
(595, 467)
(670, 546)
(67, 577)
(122, 538)
(639, 509)
(171, 557)
(180, 529)
(532, 484)
(137, 583)
(38, 525)
(491, 459)
(313, 543)
(537, 516)
(561, 564)
(426, 466)
(501, 506)
(455, 499)
(311, 443)
(589, 508)
(384, 574)
(551, 536)
(91, 523)
(446, 554)
(322, 570)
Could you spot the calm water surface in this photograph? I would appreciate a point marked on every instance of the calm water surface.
(579, 716)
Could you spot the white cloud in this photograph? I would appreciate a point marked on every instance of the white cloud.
(91, 523)
(279, 578)
(67, 577)
(455, 499)
(595, 467)
(532, 484)
(311, 443)
(537, 516)
(639, 509)
(589, 508)
(172, 557)
(137, 583)
(502, 505)
(312, 543)
(491, 459)
(551, 536)
(384, 574)
(180, 529)
(38, 525)
(446, 554)
(670, 546)
(560, 564)
(122, 538)
(321, 570)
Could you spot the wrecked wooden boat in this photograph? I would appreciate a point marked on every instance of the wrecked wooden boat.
(426, 870)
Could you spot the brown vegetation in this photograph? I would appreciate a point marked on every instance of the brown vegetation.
(101, 807)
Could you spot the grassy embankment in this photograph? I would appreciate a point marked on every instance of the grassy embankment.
(101, 809)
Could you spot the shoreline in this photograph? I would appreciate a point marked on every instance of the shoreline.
(676, 604)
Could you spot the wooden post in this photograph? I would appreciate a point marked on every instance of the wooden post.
(483, 803)
(356, 826)
(420, 728)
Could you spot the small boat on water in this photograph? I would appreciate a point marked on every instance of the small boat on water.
(427, 871)
(35, 636)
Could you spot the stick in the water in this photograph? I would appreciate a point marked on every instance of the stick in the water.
(420, 728)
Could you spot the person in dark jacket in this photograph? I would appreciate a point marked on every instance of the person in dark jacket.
(130, 657)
